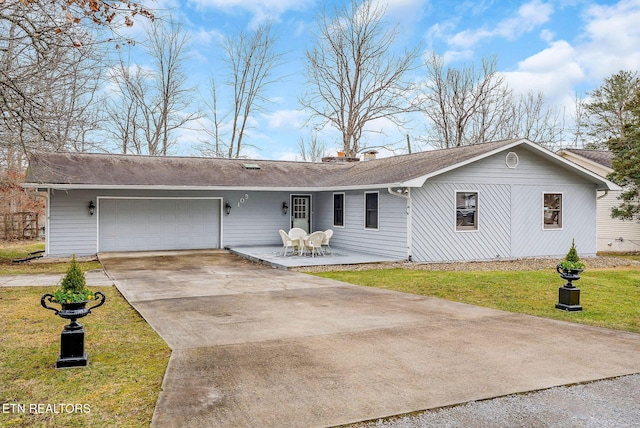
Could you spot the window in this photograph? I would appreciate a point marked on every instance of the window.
(466, 211)
(338, 209)
(552, 211)
(371, 210)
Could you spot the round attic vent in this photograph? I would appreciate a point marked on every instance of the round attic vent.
(512, 160)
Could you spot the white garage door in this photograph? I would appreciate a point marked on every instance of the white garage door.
(158, 224)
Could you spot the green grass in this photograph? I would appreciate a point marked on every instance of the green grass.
(11, 250)
(120, 387)
(610, 298)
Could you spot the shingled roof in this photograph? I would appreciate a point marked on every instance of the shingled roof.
(83, 170)
(602, 157)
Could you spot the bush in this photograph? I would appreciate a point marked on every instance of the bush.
(74, 286)
(572, 260)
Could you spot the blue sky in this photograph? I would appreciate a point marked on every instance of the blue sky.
(560, 47)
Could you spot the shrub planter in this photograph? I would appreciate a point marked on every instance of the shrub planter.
(570, 269)
(72, 338)
(569, 294)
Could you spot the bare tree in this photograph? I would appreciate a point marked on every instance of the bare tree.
(251, 59)
(123, 112)
(353, 76)
(462, 105)
(152, 104)
(313, 150)
(469, 106)
(216, 146)
(49, 74)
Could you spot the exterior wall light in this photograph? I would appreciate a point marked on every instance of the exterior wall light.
(227, 208)
(285, 208)
(92, 208)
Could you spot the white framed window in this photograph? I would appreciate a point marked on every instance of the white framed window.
(552, 211)
(466, 211)
(371, 210)
(338, 209)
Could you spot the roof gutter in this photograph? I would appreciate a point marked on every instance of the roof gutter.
(60, 186)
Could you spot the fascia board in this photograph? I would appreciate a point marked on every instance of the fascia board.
(570, 155)
(58, 186)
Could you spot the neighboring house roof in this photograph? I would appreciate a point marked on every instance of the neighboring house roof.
(602, 157)
(82, 170)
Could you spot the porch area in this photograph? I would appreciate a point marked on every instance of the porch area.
(272, 255)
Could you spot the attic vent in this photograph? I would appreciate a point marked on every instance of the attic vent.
(512, 160)
(250, 166)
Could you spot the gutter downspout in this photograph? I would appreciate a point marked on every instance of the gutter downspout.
(606, 192)
(405, 192)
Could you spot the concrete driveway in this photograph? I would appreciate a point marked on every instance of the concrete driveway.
(255, 346)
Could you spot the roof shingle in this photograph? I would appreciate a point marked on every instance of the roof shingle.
(100, 170)
(602, 157)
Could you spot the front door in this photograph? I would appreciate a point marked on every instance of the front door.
(301, 212)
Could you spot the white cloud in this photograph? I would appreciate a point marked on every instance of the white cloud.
(457, 56)
(528, 17)
(607, 43)
(404, 10)
(554, 71)
(261, 10)
(611, 39)
(286, 119)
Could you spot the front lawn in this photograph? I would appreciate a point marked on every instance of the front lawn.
(120, 387)
(12, 250)
(609, 297)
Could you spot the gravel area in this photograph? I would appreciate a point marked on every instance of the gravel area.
(601, 404)
(516, 264)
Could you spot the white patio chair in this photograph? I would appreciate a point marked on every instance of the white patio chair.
(287, 243)
(296, 233)
(313, 243)
(327, 237)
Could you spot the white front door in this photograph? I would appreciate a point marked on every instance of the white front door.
(301, 212)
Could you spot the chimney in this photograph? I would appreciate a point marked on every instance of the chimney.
(340, 158)
(370, 155)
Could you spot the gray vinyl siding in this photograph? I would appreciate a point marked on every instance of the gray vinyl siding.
(255, 222)
(434, 223)
(389, 240)
(510, 211)
(529, 237)
(71, 229)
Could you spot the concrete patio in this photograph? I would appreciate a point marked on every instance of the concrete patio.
(272, 255)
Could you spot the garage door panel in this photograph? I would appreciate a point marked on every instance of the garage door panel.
(158, 224)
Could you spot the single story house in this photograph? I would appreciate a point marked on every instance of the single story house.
(614, 234)
(497, 200)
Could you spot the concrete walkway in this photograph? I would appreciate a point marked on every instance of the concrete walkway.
(94, 278)
(255, 346)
